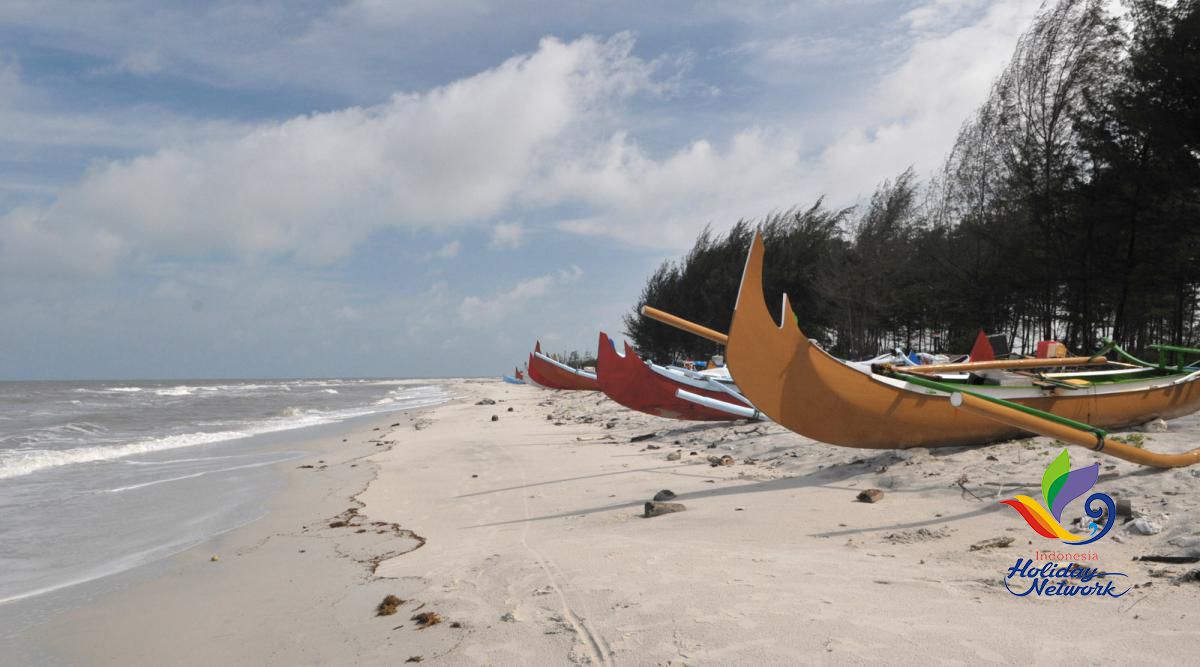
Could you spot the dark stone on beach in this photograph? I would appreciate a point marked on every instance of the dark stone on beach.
(994, 543)
(395, 425)
(644, 436)
(870, 496)
(610, 424)
(337, 524)
(473, 476)
(654, 509)
(495, 418)
(1124, 508)
(510, 409)
(653, 446)
(304, 466)
(548, 417)
(485, 401)
(414, 658)
(665, 494)
(712, 445)
(674, 456)
(992, 458)
(1173, 560)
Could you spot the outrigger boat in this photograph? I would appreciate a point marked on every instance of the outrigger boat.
(548, 373)
(887, 406)
(516, 378)
(665, 392)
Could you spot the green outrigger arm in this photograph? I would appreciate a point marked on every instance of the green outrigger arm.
(1048, 424)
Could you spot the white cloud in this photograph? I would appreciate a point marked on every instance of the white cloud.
(449, 250)
(315, 185)
(921, 104)
(514, 303)
(508, 235)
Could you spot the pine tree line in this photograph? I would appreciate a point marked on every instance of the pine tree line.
(1067, 210)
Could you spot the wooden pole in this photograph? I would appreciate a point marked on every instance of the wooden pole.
(690, 327)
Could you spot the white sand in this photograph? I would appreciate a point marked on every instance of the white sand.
(543, 558)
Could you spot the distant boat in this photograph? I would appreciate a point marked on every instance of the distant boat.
(550, 374)
(516, 378)
(646, 387)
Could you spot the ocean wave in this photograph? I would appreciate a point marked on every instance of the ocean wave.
(19, 462)
(122, 390)
(181, 390)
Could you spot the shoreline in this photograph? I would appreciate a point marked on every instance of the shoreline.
(525, 536)
(332, 462)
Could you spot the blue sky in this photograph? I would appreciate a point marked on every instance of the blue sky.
(424, 188)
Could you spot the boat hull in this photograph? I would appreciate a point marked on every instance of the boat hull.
(800, 386)
(627, 380)
(547, 373)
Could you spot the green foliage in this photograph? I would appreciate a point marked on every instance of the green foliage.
(1067, 210)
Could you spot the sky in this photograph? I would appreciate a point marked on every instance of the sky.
(415, 189)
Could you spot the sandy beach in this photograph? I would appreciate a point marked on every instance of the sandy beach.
(519, 525)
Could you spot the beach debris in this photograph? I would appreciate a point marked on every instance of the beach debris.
(1187, 577)
(1146, 526)
(870, 496)
(750, 461)
(644, 436)
(510, 409)
(654, 509)
(961, 483)
(665, 494)
(509, 617)
(714, 461)
(739, 509)
(485, 401)
(653, 446)
(305, 466)
(993, 543)
(213, 559)
(337, 524)
(674, 456)
(414, 658)
(427, 619)
(495, 418)
(455, 624)
(1174, 560)
(1156, 426)
(389, 606)
(610, 424)
(918, 535)
(990, 457)
(474, 476)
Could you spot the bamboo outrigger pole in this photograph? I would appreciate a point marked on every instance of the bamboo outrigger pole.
(1002, 364)
(1052, 426)
(690, 327)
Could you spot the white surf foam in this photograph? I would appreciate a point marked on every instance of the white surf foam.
(15, 463)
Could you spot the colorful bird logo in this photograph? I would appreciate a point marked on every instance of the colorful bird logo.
(1060, 486)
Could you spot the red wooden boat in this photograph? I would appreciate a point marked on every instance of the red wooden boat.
(639, 386)
(550, 374)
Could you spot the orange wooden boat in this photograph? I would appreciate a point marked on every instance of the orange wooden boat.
(547, 373)
(802, 387)
(633, 383)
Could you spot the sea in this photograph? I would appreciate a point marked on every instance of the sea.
(99, 477)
